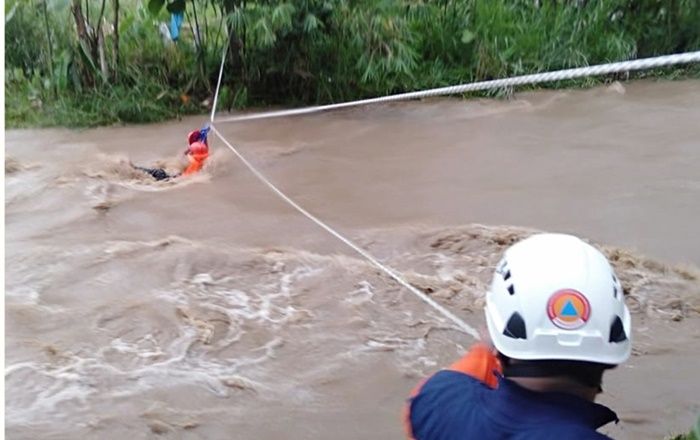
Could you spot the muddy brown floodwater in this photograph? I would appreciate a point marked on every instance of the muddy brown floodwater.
(207, 308)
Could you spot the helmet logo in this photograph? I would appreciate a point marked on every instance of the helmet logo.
(568, 309)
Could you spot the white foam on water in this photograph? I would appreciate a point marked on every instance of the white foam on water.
(139, 360)
(363, 294)
(23, 294)
(46, 390)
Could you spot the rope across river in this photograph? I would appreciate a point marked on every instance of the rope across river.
(559, 75)
(536, 78)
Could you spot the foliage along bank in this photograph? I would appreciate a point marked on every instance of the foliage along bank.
(94, 62)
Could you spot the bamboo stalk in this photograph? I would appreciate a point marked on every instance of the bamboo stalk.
(101, 54)
(99, 18)
(99, 40)
(206, 22)
(197, 34)
(116, 40)
(189, 22)
(49, 62)
(81, 28)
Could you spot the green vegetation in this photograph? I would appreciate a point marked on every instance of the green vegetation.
(694, 434)
(93, 62)
(688, 436)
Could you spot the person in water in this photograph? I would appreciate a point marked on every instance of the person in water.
(197, 153)
(557, 320)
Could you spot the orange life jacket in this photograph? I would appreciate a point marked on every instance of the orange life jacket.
(196, 163)
(480, 363)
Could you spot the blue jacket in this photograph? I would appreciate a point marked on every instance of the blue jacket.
(452, 406)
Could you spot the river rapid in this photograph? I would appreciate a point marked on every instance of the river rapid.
(208, 308)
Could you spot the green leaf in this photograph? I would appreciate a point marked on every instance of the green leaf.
(237, 20)
(468, 36)
(62, 71)
(282, 16)
(311, 23)
(127, 22)
(11, 13)
(58, 5)
(154, 6)
(264, 35)
(240, 99)
(87, 59)
(176, 6)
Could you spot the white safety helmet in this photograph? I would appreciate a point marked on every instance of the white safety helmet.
(554, 297)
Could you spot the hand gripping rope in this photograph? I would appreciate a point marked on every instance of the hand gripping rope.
(602, 69)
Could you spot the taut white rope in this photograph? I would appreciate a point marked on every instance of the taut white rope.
(218, 82)
(461, 324)
(558, 75)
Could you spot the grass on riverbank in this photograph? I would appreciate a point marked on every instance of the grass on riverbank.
(27, 105)
(25, 109)
(688, 436)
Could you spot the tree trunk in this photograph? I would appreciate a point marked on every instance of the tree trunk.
(80, 25)
(84, 39)
(197, 31)
(100, 19)
(49, 62)
(99, 39)
(235, 44)
(115, 43)
(104, 68)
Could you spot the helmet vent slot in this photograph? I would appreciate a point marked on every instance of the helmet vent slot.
(511, 289)
(617, 331)
(506, 275)
(515, 328)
